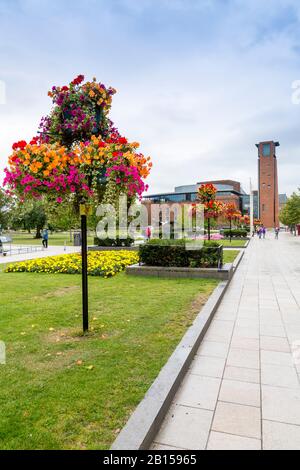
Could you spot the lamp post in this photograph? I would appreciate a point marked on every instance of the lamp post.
(84, 211)
(251, 209)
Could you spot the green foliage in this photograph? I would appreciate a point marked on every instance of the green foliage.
(235, 232)
(170, 253)
(5, 204)
(290, 213)
(113, 241)
(62, 216)
(29, 215)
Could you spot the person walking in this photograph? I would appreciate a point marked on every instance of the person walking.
(276, 233)
(259, 232)
(148, 233)
(45, 238)
(264, 231)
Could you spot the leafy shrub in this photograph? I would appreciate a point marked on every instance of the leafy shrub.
(113, 241)
(236, 232)
(173, 253)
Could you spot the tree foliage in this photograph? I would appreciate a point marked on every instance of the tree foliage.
(290, 213)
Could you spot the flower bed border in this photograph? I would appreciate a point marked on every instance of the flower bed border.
(225, 273)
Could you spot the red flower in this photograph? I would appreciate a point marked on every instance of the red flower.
(122, 140)
(65, 88)
(19, 145)
(78, 80)
(101, 144)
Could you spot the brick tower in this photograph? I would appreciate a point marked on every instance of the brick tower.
(268, 183)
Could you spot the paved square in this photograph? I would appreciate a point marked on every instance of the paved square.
(243, 390)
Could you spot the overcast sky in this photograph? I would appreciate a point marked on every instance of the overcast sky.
(199, 81)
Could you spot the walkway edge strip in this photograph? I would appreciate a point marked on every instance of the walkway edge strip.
(144, 423)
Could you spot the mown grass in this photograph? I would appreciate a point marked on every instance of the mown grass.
(227, 243)
(230, 255)
(55, 239)
(60, 390)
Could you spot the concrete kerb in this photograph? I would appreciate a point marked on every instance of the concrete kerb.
(237, 247)
(238, 259)
(144, 423)
(222, 274)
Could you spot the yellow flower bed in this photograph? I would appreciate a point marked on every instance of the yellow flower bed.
(100, 263)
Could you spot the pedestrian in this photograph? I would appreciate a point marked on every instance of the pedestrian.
(276, 233)
(259, 232)
(148, 233)
(45, 238)
(264, 231)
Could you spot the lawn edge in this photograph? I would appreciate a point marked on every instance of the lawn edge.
(143, 425)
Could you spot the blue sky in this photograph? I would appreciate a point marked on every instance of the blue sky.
(199, 81)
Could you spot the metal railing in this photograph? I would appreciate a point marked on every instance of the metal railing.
(18, 250)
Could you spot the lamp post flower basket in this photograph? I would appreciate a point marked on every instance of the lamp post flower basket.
(212, 208)
(231, 213)
(78, 156)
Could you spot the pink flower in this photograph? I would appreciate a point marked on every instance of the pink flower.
(59, 200)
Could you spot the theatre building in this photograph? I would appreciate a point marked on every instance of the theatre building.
(228, 191)
(266, 199)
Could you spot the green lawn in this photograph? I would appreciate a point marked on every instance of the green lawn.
(60, 390)
(55, 239)
(230, 255)
(59, 238)
(233, 242)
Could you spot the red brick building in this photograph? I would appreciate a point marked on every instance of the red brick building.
(268, 183)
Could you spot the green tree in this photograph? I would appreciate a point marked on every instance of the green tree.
(28, 216)
(5, 205)
(290, 213)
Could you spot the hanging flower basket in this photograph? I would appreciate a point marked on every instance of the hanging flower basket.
(68, 158)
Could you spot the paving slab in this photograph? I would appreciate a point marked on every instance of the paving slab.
(185, 427)
(280, 436)
(237, 419)
(222, 441)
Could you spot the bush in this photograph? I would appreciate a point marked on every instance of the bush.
(105, 264)
(113, 241)
(235, 232)
(172, 253)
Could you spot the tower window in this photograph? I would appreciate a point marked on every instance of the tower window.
(266, 150)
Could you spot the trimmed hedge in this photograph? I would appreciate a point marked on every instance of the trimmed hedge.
(236, 232)
(172, 253)
(113, 241)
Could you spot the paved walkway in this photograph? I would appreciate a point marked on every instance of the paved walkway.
(43, 253)
(243, 389)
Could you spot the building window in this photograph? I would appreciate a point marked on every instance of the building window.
(266, 150)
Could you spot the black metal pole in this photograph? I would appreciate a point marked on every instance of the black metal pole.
(85, 311)
(230, 230)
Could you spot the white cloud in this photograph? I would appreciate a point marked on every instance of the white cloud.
(197, 87)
